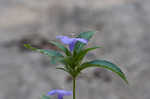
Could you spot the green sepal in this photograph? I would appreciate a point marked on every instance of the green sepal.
(85, 35)
(62, 47)
(103, 64)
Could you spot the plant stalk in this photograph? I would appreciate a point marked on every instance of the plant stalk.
(74, 88)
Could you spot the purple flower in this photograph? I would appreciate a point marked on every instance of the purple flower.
(60, 93)
(71, 41)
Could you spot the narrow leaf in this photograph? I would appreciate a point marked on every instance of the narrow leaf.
(55, 59)
(68, 61)
(62, 47)
(60, 68)
(30, 47)
(103, 64)
(86, 35)
(66, 70)
(44, 51)
(79, 57)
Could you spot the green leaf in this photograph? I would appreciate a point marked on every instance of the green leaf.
(55, 59)
(79, 57)
(64, 69)
(61, 68)
(103, 64)
(45, 97)
(68, 61)
(86, 35)
(50, 52)
(30, 47)
(68, 65)
(62, 47)
(44, 51)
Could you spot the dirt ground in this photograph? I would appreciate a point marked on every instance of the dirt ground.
(123, 31)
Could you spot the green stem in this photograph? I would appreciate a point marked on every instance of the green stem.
(74, 88)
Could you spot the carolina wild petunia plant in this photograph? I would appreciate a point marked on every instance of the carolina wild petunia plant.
(72, 59)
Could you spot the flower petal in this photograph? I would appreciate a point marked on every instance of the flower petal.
(71, 45)
(59, 92)
(68, 93)
(60, 96)
(71, 41)
(82, 40)
(65, 39)
(52, 92)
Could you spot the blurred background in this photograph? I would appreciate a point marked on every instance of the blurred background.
(123, 31)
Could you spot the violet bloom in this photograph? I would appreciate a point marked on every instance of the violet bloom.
(60, 93)
(71, 41)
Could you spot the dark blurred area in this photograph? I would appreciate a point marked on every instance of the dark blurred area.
(123, 32)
